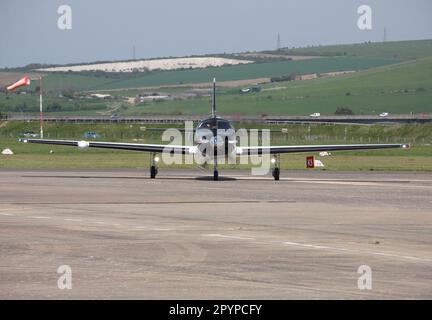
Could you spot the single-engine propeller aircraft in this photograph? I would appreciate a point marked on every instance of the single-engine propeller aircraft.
(217, 135)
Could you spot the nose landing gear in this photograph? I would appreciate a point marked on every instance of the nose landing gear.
(154, 168)
(215, 168)
(215, 175)
(276, 164)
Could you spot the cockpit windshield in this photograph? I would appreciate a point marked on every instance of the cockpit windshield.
(209, 124)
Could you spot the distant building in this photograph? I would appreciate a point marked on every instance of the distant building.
(101, 96)
(142, 97)
(306, 76)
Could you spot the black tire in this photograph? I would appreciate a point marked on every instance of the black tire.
(153, 172)
(226, 145)
(215, 175)
(276, 173)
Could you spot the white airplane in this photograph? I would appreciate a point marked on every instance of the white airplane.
(216, 135)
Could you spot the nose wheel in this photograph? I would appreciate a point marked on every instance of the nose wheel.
(215, 155)
(153, 168)
(215, 175)
(276, 165)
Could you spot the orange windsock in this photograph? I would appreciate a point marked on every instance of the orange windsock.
(20, 83)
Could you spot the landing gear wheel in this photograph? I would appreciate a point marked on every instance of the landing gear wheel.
(276, 173)
(215, 175)
(153, 172)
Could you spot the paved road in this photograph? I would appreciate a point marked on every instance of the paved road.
(126, 236)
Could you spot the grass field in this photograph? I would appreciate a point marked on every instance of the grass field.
(28, 156)
(130, 160)
(418, 158)
(29, 103)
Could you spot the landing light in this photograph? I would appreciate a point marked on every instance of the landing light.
(156, 159)
(83, 144)
(273, 160)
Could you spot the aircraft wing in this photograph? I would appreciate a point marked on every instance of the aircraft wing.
(314, 148)
(157, 148)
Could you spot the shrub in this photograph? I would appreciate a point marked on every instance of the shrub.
(344, 111)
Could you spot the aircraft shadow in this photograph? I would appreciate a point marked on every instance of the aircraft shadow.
(201, 178)
(221, 178)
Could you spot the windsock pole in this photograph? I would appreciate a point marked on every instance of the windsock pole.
(40, 108)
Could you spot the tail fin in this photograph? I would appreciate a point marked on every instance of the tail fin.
(214, 99)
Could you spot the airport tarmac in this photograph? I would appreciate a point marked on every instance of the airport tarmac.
(184, 236)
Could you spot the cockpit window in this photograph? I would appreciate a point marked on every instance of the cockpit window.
(209, 123)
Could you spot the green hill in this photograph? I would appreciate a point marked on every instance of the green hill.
(389, 81)
(397, 89)
(404, 50)
(56, 82)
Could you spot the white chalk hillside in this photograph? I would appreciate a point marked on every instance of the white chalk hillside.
(144, 65)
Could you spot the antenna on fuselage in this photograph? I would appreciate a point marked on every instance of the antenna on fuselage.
(214, 99)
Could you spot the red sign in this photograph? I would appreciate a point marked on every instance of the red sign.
(310, 162)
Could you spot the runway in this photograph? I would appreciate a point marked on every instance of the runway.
(183, 236)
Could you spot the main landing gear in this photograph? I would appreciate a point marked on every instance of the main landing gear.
(153, 172)
(276, 173)
(154, 168)
(275, 160)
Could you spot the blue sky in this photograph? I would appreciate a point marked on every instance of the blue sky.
(103, 30)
